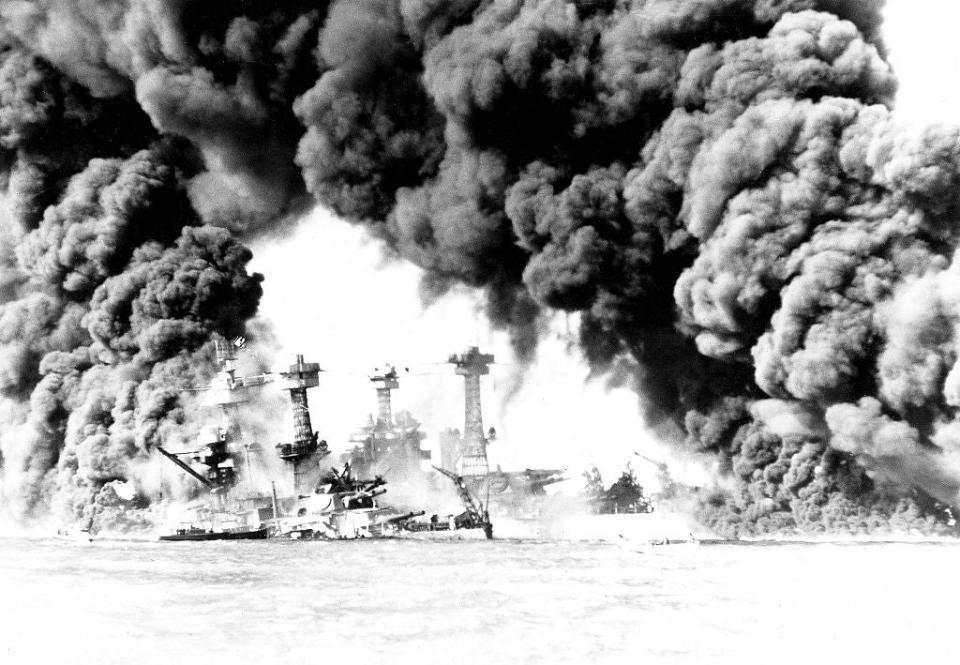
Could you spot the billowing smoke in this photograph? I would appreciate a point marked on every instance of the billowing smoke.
(112, 297)
(718, 187)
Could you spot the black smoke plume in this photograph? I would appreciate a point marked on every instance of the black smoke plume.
(718, 187)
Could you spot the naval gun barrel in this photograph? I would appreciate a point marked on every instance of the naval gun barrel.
(373, 484)
(186, 467)
(404, 517)
(365, 494)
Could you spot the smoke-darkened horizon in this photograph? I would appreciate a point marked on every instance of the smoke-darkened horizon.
(718, 187)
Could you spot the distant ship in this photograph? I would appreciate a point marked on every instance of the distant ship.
(393, 443)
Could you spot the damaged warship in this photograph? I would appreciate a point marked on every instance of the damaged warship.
(512, 493)
(333, 505)
(336, 504)
(393, 444)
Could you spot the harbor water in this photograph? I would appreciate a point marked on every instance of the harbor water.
(505, 601)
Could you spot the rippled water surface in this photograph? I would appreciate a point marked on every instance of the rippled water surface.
(475, 602)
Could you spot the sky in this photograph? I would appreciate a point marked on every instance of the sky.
(922, 40)
(330, 294)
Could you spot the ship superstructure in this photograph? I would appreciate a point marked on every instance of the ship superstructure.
(471, 365)
(221, 447)
(388, 443)
(304, 453)
(342, 506)
(332, 505)
(467, 454)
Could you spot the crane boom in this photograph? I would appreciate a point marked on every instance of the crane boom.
(478, 515)
(186, 467)
(660, 465)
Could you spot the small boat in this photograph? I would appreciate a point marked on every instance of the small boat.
(79, 536)
(194, 533)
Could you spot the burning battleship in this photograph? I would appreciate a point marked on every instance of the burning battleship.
(393, 444)
(331, 505)
(511, 491)
(387, 442)
(336, 504)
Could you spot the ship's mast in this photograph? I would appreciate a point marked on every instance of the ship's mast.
(471, 365)
(304, 452)
(388, 442)
(228, 392)
(385, 382)
(217, 445)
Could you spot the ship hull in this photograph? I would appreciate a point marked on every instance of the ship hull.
(253, 534)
